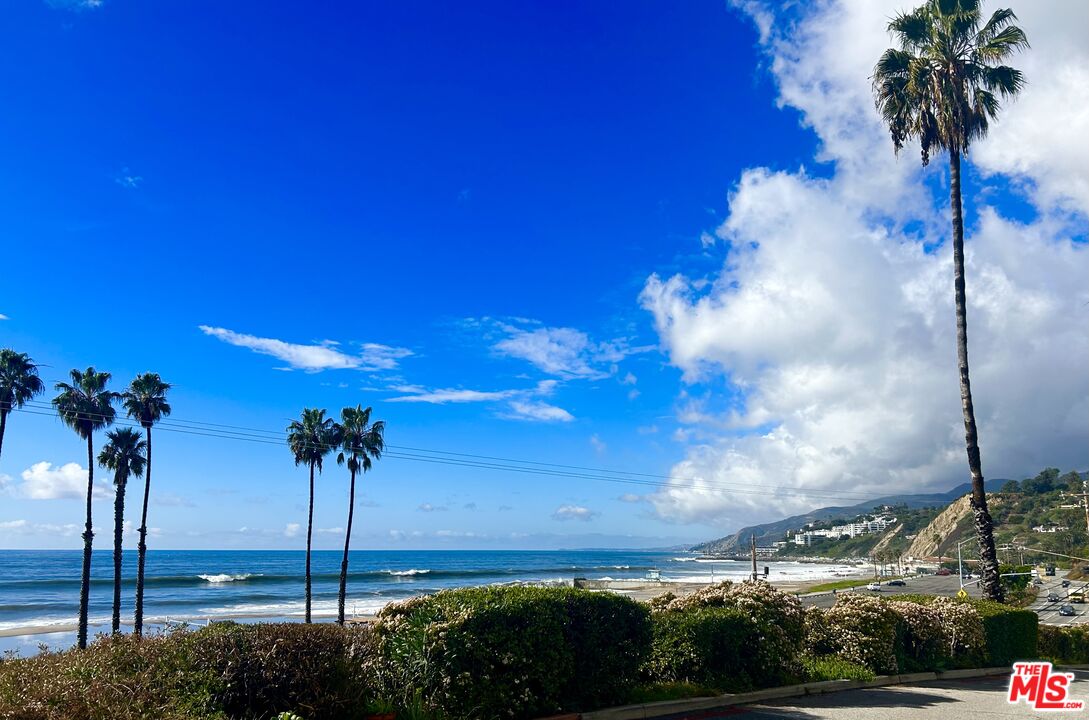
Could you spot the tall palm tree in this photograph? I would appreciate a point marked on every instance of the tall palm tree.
(145, 401)
(124, 454)
(942, 86)
(19, 383)
(311, 438)
(86, 406)
(361, 442)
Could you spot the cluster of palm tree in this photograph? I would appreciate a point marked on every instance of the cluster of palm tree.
(358, 442)
(943, 86)
(86, 405)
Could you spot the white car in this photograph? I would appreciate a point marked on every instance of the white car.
(874, 586)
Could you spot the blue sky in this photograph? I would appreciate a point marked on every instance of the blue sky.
(449, 213)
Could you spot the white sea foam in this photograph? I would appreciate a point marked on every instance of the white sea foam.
(408, 573)
(225, 578)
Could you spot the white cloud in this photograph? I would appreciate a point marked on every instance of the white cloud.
(562, 351)
(4, 317)
(324, 355)
(428, 507)
(834, 326)
(532, 410)
(598, 444)
(128, 180)
(74, 4)
(13, 524)
(43, 481)
(631, 498)
(574, 512)
(290, 530)
(449, 395)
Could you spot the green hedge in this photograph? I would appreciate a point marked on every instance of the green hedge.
(512, 651)
(1068, 644)
(1012, 634)
(714, 647)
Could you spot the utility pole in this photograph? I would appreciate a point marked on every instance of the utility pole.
(754, 557)
(1082, 504)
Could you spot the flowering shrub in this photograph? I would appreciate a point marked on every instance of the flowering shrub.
(922, 638)
(860, 629)
(512, 651)
(776, 615)
(962, 629)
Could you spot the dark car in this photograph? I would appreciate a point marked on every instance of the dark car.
(1053, 597)
(895, 583)
(1066, 583)
(1067, 610)
(944, 571)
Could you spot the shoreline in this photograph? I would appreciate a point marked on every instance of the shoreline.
(640, 590)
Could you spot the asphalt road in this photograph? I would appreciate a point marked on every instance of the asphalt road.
(925, 584)
(949, 585)
(1049, 611)
(947, 700)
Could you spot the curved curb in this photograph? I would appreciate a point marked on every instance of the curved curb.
(665, 708)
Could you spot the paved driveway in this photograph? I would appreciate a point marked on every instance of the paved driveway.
(946, 700)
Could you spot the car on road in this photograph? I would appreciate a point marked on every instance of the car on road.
(944, 571)
(1053, 596)
(1066, 583)
(874, 586)
(1067, 610)
(896, 583)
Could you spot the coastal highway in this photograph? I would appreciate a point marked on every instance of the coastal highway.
(948, 585)
(925, 584)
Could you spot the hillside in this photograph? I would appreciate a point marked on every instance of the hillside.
(930, 525)
(768, 533)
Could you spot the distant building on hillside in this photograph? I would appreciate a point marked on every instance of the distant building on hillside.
(862, 527)
(1050, 528)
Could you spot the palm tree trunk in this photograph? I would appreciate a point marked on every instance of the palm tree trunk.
(988, 560)
(3, 427)
(347, 542)
(138, 620)
(309, 536)
(118, 524)
(88, 537)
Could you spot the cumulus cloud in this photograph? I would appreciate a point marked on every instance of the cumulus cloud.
(574, 512)
(44, 481)
(831, 318)
(315, 357)
(290, 530)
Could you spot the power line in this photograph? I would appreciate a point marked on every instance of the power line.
(470, 460)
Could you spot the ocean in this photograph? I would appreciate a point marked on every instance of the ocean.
(39, 589)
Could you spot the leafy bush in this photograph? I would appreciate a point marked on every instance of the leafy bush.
(224, 671)
(115, 678)
(860, 629)
(259, 670)
(1068, 644)
(711, 646)
(831, 667)
(1011, 634)
(778, 618)
(923, 643)
(513, 651)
